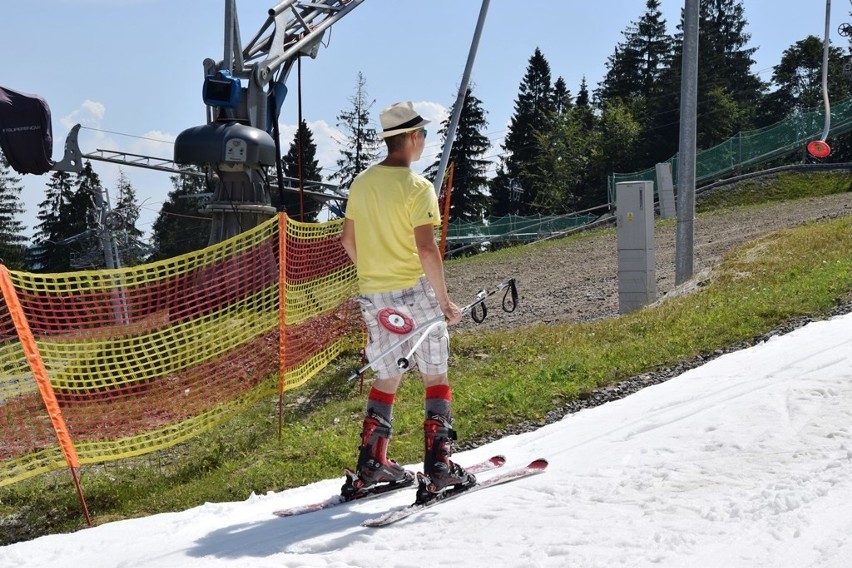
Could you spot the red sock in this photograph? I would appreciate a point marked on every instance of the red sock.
(381, 397)
(440, 391)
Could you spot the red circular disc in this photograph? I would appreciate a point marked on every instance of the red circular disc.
(395, 322)
(819, 149)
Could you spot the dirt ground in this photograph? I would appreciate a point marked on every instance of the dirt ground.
(575, 280)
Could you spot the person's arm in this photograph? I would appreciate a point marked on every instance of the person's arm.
(433, 267)
(347, 239)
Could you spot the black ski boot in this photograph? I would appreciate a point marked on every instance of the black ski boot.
(439, 472)
(374, 467)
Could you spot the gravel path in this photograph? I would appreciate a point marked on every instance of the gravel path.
(576, 280)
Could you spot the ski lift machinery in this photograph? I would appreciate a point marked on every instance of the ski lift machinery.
(240, 140)
(237, 142)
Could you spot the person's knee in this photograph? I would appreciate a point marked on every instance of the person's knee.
(388, 385)
(434, 380)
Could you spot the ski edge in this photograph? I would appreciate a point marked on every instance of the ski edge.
(494, 462)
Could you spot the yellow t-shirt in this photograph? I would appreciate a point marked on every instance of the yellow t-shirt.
(387, 203)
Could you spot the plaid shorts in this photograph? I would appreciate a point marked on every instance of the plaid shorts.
(408, 308)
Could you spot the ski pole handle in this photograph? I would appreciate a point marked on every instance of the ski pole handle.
(477, 308)
(404, 362)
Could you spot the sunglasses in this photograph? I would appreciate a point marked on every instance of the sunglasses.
(423, 130)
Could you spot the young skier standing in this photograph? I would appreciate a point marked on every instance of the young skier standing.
(389, 235)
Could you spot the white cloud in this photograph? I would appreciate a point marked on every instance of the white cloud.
(436, 112)
(328, 140)
(153, 143)
(90, 114)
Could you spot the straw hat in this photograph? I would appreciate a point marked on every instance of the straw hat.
(399, 118)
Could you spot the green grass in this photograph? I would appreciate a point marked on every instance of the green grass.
(499, 378)
(783, 187)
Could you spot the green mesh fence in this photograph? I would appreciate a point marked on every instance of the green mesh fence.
(514, 228)
(753, 147)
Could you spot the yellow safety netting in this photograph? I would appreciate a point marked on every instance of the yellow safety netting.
(139, 359)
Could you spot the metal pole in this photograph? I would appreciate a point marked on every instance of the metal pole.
(230, 14)
(112, 258)
(825, 47)
(684, 246)
(105, 235)
(457, 108)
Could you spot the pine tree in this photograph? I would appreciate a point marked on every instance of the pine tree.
(67, 227)
(634, 74)
(82, 222)
(80, 216)
(505, 191)
(123, 225)
(12, 240)
(562, 99)
(620, 79)
(180, 227)
(635, 67)
(469, 201)
(310, 171)
(730, 92)
(727, 39)
(583, 109)
(49, 254)
(361, 147)
(534, 111)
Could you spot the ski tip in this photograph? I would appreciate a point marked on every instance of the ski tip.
(540, 463)
(498, 460)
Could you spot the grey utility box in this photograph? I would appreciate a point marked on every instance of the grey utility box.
(665, 187)
(637, 281)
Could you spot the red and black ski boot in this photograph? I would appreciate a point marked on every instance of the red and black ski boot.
(439, 472)
(374, 467)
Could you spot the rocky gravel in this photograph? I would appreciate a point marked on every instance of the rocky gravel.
(575, 280)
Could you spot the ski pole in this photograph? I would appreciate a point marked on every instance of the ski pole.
(510, 302)
(508, 306)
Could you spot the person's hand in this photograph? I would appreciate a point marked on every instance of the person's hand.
(452, 312)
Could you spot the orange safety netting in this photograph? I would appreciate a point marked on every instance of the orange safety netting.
(321, 284)
(139, 359)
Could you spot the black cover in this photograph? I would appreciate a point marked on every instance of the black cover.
(26, 136)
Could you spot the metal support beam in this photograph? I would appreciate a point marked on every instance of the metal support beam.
(685, 236)
(825, 50)
(457, 107)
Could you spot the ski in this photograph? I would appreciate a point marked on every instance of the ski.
(533, 468)
(493, 462)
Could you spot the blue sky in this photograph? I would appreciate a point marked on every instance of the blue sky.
(134, 67)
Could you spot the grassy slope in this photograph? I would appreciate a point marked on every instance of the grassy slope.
(498, 378)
